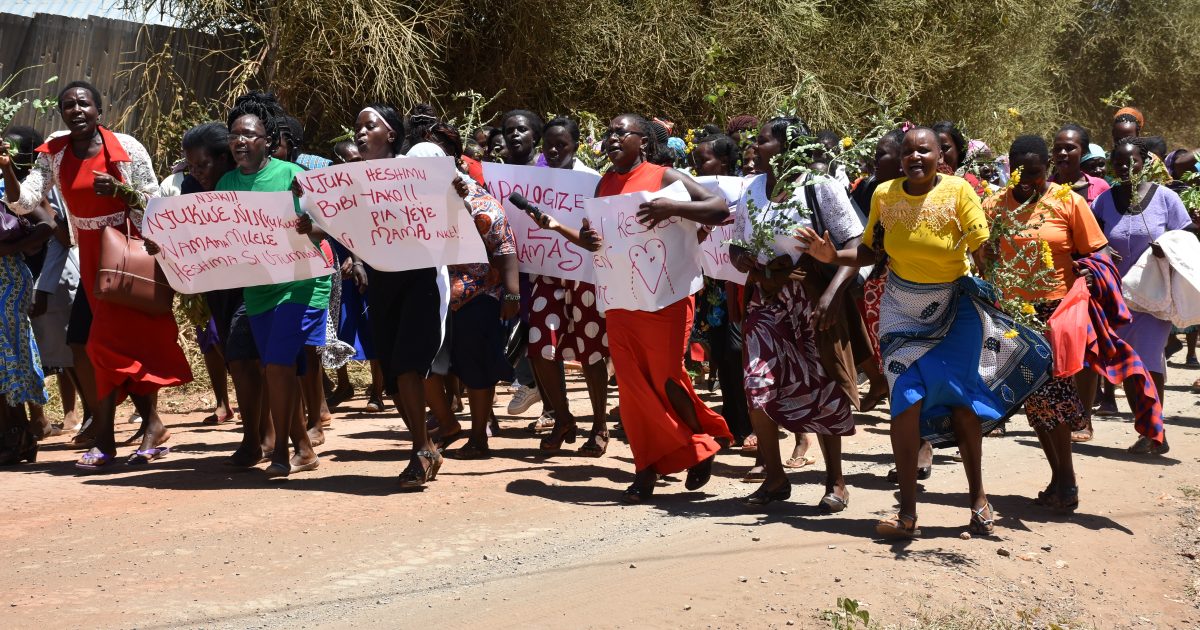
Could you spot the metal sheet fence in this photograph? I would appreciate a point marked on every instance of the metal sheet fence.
(103, 52)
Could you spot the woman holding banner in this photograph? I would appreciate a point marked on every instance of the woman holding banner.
(669, 428)
(283, 317)
(564, 323)
(408, 312)
(105, 179)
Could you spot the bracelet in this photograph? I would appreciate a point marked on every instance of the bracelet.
(512, 297)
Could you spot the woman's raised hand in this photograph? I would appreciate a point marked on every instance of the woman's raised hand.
(817, 246)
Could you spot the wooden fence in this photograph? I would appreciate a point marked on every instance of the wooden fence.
(103, 52)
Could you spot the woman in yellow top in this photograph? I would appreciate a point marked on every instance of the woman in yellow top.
(1061, 223)
(956, 365)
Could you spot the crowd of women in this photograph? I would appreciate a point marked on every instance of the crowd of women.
(886, 278)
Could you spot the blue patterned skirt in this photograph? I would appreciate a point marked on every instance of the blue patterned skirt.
(947, 345)
(21, 379)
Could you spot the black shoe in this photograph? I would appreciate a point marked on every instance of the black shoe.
(762, 496)
(699, 474)
(18, 446)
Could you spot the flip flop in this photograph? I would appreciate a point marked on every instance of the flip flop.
(898, 527)
(142, 457)
(749, 447)
(213, 419)
(313, 465)
(277, 470)
(95, 461)
(799, 462)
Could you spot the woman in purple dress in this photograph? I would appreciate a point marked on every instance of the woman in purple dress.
(1132, 223)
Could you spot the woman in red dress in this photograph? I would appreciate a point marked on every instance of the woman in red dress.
(669, 428)
(106, 178)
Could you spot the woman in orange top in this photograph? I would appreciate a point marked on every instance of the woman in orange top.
(1061, 223)
(669, 428)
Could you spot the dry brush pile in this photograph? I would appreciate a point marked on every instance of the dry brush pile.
(999, 67)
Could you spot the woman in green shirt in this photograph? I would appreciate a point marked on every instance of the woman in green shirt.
(287, 316)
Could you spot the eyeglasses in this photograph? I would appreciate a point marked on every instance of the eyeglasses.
(621, 133)
(245, 137)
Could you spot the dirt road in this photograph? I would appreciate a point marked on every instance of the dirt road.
(524, 540)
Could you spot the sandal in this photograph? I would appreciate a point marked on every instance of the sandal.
(642, 487)
(832, 503)
(374, 403)
(750, 445)
(799, 462)
(756, 474)
(898, 527)
(700, 474)
(596, 444)
(923, 473)
(142, 457)
(980, 526)
(449, 440)
(95, 460)
(555, 440)
(1146, 446)
(416, 475)
(542, 424)
(1083, 435)
(762, 496)
(471, 451)
(215, 419)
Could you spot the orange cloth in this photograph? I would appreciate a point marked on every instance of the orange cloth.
(1067, 226)
(1132, 111)
(647, 350)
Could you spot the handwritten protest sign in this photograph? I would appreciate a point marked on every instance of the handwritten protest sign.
(559, 193)
(641, 268)
(396, 214)
(226, 240)
(714, 251)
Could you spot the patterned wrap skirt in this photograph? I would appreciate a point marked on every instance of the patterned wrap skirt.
(946, 346)
(21, 378)
(784, 374)
(1057, 401)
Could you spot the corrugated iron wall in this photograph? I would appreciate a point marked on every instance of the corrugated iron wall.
(98, 50)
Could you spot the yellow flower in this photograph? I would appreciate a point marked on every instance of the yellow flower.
(847, 142)
(1027, 308)
(1013, 112)
(1062, 193)
(1009, 334)
(1015, 179)
(1047, 255)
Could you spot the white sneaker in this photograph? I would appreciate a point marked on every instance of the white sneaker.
(523, 400)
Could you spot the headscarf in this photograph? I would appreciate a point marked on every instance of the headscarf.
(1094, 151)
(1132, 111)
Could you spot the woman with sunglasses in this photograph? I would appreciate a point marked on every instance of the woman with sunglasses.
(669, 428)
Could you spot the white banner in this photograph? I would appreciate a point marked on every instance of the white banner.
(639, 268)
(715, 249)
(559, 193)
(227, 239)
(396, 214)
